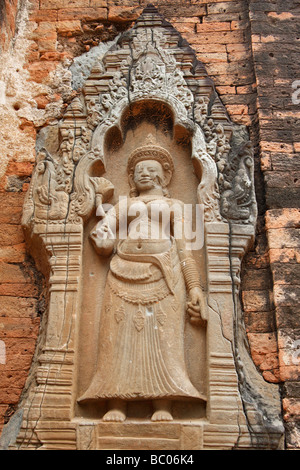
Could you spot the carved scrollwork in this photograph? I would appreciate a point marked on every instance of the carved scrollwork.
(238, 199)
(150, 69)
(88, 190)
(47, 199)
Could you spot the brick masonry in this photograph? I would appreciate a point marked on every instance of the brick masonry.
(251, 50)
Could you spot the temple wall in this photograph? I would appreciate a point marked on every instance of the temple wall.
(251, 51)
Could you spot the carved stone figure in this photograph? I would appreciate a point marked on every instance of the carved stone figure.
(50, 201)
(151, 284)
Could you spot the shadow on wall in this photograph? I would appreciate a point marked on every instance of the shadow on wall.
(2, 12)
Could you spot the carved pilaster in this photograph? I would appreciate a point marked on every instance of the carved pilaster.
(225, 249)
(51, 402)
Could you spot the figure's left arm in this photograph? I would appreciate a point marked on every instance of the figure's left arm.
(196, 305)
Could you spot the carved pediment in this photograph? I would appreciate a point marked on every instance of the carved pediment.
(149, 62)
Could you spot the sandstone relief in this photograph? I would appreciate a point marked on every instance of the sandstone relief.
(143, 314)
(143, 216)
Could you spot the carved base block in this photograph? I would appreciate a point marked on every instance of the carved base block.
(140, 436)
(175, 435)
(192, 435)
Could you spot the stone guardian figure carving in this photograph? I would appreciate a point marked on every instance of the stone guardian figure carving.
(152, 286)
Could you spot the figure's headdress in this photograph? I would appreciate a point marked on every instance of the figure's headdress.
(150, 151)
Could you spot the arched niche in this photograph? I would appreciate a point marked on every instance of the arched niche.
(138, 121)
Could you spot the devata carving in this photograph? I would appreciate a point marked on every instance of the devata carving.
(143, 343)
(143, 314)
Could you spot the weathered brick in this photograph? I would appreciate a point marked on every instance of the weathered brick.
(259, 322)
(40, 34)
(52, 4)
(19, 348)
(83, 14)
(226, 90)
(257, 279)
(285, 162)
(11, 208)
(213, 27)
(12, 379)
(256, 301)
(180, 9)
(13, 253)
(39, 71)
(284, 273)
(278, 179)
(237, 109)
(264, 352)
(10, 395)
(291, 408)
(284, 255)
(285, 294)
(287, 317)
(12, 328)
(283, 218)
(18, 307)
(284, 238)
(200, 48)
(210, 57)
(224, 37)
(11, 235)
(18, 290)
(98, 3)
(208, 1)
(20, 168)
(123, 13)
(225, 7)
(44, 15)
(47, 45)
(276, 147)
(68, 26)
(220, 17)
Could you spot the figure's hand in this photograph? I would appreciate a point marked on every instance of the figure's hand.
(103, 231)
(195, 306)
(103, 239)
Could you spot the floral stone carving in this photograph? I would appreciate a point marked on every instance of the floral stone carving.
(143, 342)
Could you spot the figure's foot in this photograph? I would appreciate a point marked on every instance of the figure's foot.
(162, 411)
(117, 412)
(114, 416)
(161, 416)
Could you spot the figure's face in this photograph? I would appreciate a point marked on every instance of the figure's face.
(148, 174)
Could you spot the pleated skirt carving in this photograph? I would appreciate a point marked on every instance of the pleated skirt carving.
(141, 350)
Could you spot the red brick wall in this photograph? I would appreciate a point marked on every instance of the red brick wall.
(275, 43)
(8, 11)
(251, 51)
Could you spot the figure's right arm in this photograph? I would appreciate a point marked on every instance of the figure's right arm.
(103, 235)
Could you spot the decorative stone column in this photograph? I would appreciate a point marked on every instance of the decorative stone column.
(49, 410)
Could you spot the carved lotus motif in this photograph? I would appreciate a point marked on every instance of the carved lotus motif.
(120, 314)
(139, 320)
